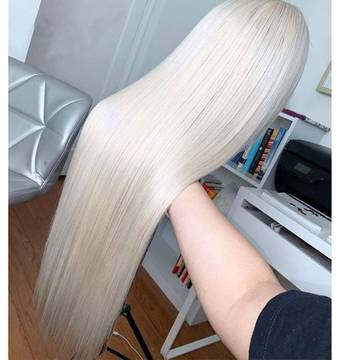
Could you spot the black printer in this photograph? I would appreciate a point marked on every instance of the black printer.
(304, 171)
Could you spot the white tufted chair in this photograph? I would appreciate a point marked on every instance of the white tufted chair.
(45, 115)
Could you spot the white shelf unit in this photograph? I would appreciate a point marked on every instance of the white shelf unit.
(159, 261)
(163, 250)
(296, 129)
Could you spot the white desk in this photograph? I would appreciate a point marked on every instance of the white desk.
(300, 255)
(297, 253)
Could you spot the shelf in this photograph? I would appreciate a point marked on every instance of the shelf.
(243, 175)
(288, 117)
(158, 262)
(283, 120)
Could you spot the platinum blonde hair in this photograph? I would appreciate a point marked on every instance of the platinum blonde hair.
(142, 146)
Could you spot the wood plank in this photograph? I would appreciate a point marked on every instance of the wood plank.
(21, 293)
(19, 347)
(29, 224)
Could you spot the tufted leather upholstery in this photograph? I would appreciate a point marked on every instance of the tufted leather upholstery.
(45, 115)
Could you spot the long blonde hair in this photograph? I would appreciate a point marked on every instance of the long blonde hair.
(142, 146)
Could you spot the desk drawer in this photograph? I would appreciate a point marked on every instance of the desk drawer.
(298, 262)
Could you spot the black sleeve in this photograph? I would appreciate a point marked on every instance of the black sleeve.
(293, 325)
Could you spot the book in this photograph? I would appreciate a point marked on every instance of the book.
(211, 183)
(271, 154)
(266, 151)
(252, 153)
(187, 279)
(183, 276)
(244, 156)
(260, 150)
(181, 270)
(176, 266)
(235, 159)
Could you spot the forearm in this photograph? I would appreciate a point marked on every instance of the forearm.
(232, 280)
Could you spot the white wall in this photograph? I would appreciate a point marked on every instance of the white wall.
(170, 21)
(174, 19)
(306, 99)
(22, 15)
(87, 43)
(169, 24)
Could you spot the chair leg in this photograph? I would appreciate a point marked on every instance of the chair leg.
(166, 351)
(178, 323)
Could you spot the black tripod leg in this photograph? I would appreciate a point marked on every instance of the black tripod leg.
(127, 313)
(116, 353)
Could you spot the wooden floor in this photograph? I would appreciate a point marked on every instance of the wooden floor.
(28, 227)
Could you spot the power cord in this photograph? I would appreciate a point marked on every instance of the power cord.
(116, 333)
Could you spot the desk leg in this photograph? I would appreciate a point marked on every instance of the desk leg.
(166, 350)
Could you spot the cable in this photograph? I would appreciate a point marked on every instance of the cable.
(116, 333)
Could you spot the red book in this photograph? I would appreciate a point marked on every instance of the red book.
(260, 150)
(177, 265)
(266, 152)
(186, 280)
(183, 277)
(181, 269)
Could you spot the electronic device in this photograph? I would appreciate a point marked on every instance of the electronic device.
(304, 172)
(303, 214)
